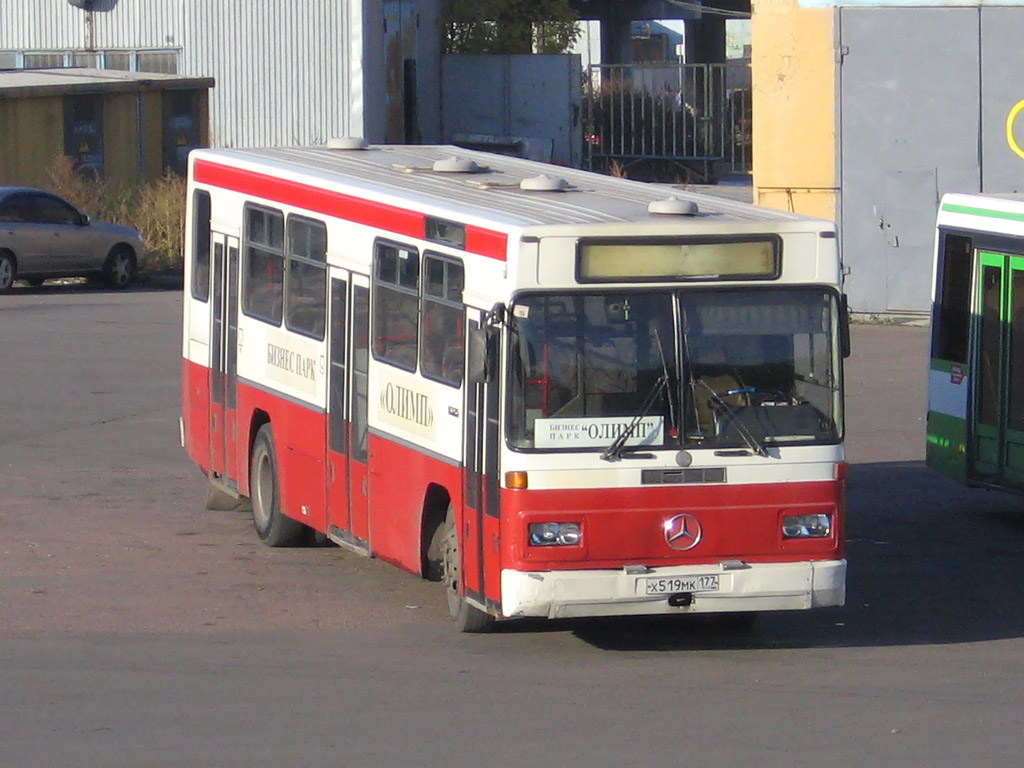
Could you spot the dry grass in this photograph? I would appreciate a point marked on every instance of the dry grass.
(156, 210)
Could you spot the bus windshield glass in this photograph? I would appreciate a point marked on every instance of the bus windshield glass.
(726, 368)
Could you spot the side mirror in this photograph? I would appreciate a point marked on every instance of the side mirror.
(476, 358)
(483, 347)
(844, 326)
(497, 315)
(482, 355)
(84, 220)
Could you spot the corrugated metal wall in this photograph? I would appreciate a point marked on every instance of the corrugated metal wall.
(284, 69)
(293, 87)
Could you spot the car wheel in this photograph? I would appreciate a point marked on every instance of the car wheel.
(119, 268)
(8, 271)
(273, 527)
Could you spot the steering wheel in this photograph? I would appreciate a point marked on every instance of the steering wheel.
(756, 395)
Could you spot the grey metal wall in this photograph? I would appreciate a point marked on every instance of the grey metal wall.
(521, 96)
(924, 94)
(1002, 87)
(286, 71)
(909, 104)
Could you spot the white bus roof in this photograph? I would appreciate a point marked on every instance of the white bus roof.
(1001, 213)
(405, 176)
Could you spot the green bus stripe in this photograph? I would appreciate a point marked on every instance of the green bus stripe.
(971, 211)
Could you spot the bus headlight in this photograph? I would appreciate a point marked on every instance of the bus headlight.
(554, 534)
(806, 526)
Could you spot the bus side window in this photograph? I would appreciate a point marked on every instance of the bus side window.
(442, 336)
(201, 246)
(306, 279)
(396, 301)
(951, 312)
(263, 288)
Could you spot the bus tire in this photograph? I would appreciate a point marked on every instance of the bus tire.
(272, 526)
(467, 618)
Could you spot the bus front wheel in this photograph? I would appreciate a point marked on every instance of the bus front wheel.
(272, 526)
(467, 617)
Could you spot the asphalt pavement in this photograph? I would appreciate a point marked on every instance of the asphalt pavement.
(139, 629)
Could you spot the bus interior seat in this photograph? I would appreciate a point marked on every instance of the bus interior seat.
(710, 398)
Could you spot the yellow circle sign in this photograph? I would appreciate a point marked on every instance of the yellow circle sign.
(1010, 119)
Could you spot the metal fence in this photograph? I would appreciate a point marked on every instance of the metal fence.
(668, 122)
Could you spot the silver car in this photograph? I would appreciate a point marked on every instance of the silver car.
(44, 236)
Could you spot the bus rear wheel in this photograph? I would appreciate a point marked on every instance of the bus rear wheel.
(467, 618)
(272, 526)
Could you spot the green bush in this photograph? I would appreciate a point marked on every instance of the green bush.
(156, 210)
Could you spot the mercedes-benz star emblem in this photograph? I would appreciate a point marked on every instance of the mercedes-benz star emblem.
(683, 532)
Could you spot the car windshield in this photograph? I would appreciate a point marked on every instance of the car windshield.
(735, 368)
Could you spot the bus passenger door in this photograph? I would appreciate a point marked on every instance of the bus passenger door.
(998, 440)
(480, 524)
(223, 356)
(346, 418)
(359, 427)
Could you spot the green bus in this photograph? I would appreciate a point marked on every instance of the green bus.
(976, 371)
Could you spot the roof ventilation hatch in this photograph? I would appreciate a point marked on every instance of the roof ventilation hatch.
(455, 165)
(544, 183)
(347, 143)
(673, 206)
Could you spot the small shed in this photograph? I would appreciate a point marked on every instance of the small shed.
(125, 127)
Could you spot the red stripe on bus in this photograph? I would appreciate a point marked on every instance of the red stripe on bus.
(390, 218)
(486, 242)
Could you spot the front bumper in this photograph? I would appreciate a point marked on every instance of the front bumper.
(742, 587)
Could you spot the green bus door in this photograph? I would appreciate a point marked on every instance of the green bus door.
(998, 444)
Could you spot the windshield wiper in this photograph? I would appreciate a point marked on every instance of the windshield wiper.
(615, 451)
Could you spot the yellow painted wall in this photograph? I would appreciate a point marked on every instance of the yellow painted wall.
(33, 135)
(152, 139)
(120, 135)
(793, 103)
(33, 131)
(122, 115)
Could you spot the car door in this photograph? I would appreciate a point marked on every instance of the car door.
(73, 245)
(24, 233)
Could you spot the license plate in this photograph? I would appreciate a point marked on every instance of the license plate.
(669, 585)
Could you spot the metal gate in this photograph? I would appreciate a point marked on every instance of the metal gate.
(668, 122)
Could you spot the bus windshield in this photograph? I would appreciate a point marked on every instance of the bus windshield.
(725, 368)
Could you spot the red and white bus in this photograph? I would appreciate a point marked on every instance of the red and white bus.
(560, 393)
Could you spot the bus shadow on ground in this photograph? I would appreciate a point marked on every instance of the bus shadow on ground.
(930, 562)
